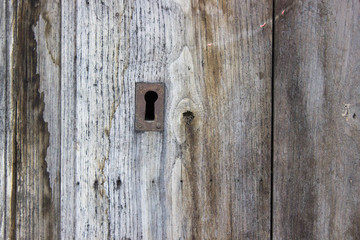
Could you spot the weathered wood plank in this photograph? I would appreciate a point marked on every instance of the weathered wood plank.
(317, 129)
(33, 50)
(47, 36)
(91, 91)
(4, 120)
(208, 175)
(68, 119)
(7, 150)
(205, 177)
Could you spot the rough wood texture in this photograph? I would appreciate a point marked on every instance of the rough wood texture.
(28, 207)
(317, 128)
(33, 59)
(207, 175)
(68, 119)
(73, 166)
(4, 121)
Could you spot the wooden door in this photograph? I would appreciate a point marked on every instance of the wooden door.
(261, 134)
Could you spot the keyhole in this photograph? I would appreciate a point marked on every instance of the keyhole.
(150, 98)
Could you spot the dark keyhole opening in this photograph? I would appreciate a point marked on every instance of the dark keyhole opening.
(150, 98)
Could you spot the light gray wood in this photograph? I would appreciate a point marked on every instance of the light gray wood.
(4, 130)
(68, 120)
(317, 128)
(208, 175)
(97, 93)
(76, 169)
(7, 150)
(172, 184)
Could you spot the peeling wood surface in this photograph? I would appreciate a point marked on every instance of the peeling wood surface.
(316, 120)
(31, 203)
(73, 166)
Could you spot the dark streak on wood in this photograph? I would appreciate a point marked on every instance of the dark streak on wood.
(211, 70)
(221, 45)
(31, 133)
(211, 53)
(193, 166)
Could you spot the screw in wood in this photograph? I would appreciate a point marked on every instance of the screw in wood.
(158, 125)
(139, 125)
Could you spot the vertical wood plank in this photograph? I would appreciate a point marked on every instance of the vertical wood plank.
(316, 134)
(135, 187)
(208, 175)
(47, 36)
(95, 47)
(8, 149)
(68, 119)
(4, 119)
(34, 79)
(219, 122)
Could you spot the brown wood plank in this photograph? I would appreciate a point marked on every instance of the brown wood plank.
(32, 165)
(316, 123)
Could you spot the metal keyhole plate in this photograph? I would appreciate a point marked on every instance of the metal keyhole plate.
(149, 106)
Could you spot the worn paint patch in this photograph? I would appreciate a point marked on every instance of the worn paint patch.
(47, 35)
(31, 135)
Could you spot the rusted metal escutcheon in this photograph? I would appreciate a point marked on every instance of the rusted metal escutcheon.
(149, 106)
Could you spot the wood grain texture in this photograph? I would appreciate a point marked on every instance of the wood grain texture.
(4, 120)
(317, 128)
(33, 204)
(7, 149)
(68, 119)
(74, 168)
(207, 175)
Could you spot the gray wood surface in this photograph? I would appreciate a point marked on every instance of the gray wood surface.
(316, 120)
(73, 167)
(203, 177)
(25, 194)
(31, 154)
(4, 120)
